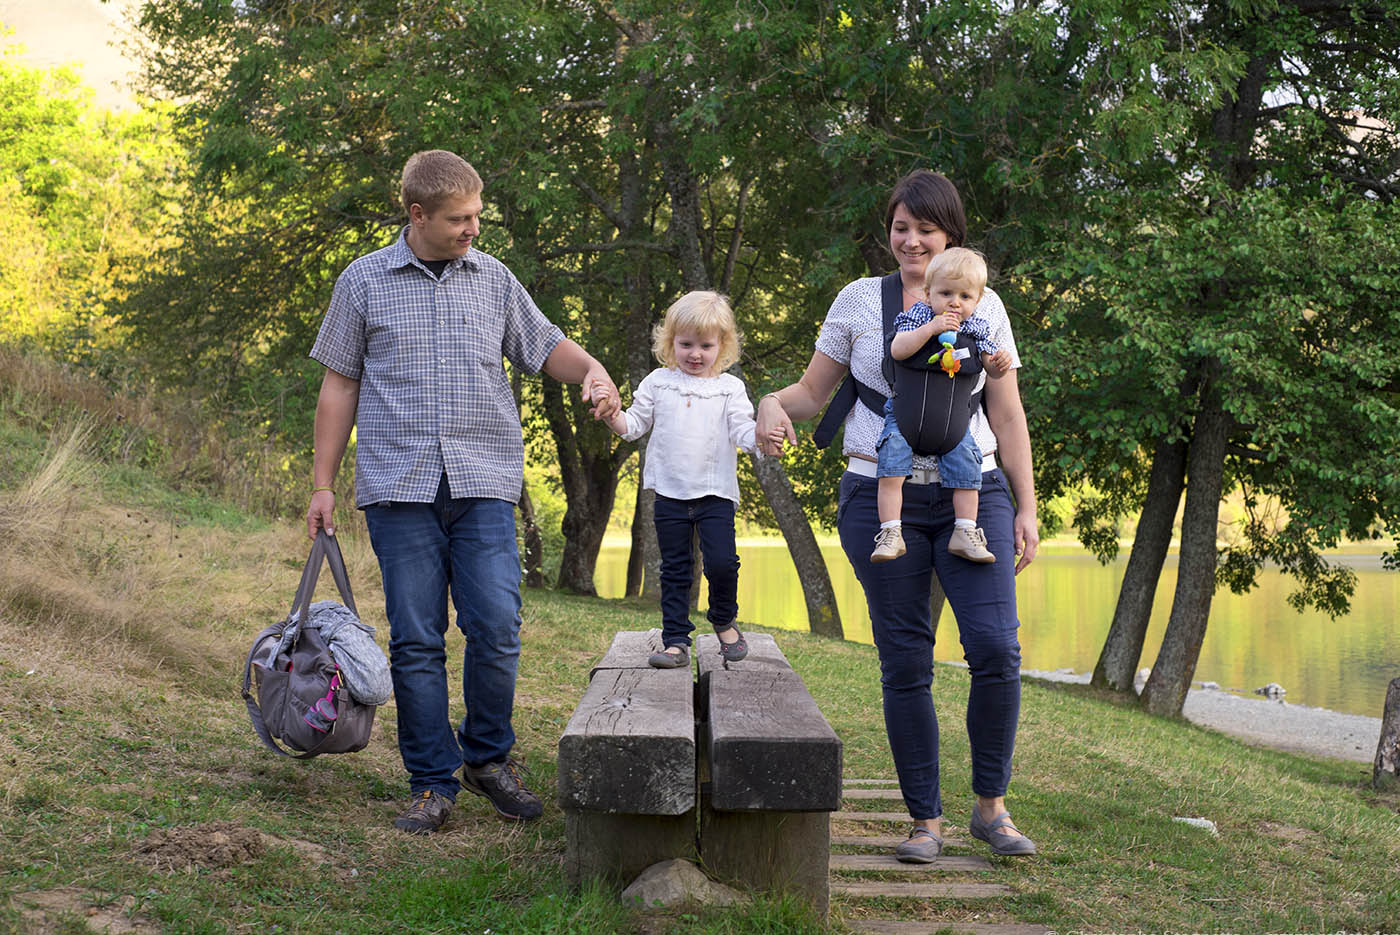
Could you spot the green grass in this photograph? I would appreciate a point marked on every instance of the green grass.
(126, 611)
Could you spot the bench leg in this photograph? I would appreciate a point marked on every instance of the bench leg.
(616, 848)
(769, 851)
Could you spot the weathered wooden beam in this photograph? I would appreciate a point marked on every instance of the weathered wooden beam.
(630, 746)
(630, 649)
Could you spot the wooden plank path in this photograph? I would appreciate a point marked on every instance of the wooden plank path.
(857, 815)
(887, 863)
(884, 927)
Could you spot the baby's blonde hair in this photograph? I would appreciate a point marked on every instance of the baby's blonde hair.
(959, 264)
(701, 313)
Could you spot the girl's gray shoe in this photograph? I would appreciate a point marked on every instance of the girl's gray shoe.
(665, 660)
(1006, 845)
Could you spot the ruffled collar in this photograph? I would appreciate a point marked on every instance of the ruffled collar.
(673, 378)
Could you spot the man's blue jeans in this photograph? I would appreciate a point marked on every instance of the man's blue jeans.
(465, 547)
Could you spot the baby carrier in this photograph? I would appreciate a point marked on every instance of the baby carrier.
(931, 408)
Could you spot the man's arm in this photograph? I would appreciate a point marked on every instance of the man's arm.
(569, 363)
(335, 417)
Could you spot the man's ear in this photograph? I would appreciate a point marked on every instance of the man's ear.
(416, 214)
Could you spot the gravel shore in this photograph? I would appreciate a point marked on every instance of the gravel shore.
(1269, 723)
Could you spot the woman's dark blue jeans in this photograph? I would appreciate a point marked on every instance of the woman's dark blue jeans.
(713, 519)
(982, 597)
(466, 548)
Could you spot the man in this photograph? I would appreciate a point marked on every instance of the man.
(413, 345)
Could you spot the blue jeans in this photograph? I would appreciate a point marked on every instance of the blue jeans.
(983, 600)
(465, 547)
(961, 468)
(713, 519)
(894, 457)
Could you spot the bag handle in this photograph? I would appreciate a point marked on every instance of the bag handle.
(325, 548)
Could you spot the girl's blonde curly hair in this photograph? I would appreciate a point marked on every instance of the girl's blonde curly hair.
(701, 313)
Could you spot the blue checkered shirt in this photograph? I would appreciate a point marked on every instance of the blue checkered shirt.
(434, 396)
(919, 314)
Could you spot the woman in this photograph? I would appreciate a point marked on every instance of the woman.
(924, 217)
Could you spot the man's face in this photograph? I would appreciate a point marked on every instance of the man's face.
(448, 232)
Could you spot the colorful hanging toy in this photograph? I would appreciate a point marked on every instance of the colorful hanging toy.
(945, 358)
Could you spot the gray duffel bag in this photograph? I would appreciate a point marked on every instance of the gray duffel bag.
(302, 697)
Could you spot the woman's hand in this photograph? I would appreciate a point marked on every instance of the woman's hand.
(1025, 537)
(774, 428)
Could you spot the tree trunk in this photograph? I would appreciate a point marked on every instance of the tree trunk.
(823, 618)
(1165, 692)
(533, 559)
(1118, 662)
(1387, 772)
(588, 467)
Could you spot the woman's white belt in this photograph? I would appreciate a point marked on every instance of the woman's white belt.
(918, 476)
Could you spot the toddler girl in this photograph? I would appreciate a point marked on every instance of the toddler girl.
(697, 415)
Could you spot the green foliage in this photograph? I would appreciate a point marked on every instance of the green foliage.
(81, 190)
(1248, 249)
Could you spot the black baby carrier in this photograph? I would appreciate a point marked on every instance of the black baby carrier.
(931, 408)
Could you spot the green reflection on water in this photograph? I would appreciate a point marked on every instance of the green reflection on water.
(1065, 602)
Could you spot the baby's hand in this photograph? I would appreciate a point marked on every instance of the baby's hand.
(948, 321)
(1000, 362)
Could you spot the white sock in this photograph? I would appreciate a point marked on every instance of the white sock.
(894, 522)
(960, 523)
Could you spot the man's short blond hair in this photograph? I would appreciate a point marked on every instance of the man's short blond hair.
(959, 264)
(701, 313)
(432, 176)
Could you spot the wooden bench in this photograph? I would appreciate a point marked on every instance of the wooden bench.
(627, 762)
(756, 791)
(770, 773)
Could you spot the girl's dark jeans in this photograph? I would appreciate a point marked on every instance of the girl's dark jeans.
(713, 519)
(983, 599)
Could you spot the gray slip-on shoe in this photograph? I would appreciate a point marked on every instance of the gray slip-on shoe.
(1006, 845)
(922, 847)
(665, 660)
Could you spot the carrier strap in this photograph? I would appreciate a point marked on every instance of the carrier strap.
(851, 389)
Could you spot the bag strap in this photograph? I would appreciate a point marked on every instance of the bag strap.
(851, 389)
(325, 548)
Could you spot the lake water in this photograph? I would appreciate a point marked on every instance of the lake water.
(1066, 599)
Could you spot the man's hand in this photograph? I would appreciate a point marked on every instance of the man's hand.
(320, 514)
(600, 391)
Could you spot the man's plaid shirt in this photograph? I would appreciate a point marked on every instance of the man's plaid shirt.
(434, 395)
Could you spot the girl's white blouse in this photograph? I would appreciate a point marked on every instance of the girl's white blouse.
(696, 423)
